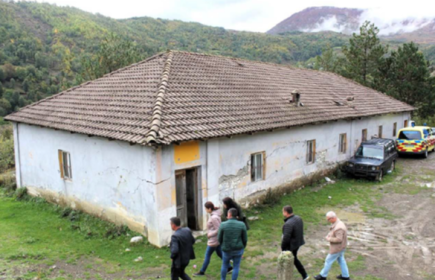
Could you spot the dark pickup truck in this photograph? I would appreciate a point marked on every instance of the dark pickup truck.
(374, 158)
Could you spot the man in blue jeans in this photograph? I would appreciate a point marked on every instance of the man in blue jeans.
(233, 238)
(337, 237)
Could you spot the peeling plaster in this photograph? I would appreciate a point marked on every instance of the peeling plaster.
(228, 183)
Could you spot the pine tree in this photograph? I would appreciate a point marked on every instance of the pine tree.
(364, 55)
(405, 75)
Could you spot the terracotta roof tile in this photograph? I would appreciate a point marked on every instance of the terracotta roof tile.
(181, 96)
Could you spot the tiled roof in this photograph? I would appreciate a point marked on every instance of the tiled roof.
(180, 96)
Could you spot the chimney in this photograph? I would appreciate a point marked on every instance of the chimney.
(296, 98)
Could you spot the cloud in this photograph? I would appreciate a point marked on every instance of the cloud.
(251, 15)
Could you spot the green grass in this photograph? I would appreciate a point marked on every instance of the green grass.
(34, 233)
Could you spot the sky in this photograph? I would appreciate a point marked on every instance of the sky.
(247, 15)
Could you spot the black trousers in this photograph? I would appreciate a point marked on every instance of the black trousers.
(178, 272)
(298, 264)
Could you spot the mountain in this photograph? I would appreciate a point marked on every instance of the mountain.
(43, 47)
(347, 21)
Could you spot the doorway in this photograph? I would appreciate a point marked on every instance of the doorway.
(188, 193)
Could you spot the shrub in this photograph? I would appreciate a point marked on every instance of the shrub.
(7, 160)
(21, 194)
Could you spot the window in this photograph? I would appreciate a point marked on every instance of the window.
(380, 132)
(364, 135)
(65, 165)
(405, 123)
(343, 143)
(394, 129)
(257, 166)
(311, 151)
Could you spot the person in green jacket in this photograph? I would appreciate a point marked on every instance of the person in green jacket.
(233, 237)
(230, 203)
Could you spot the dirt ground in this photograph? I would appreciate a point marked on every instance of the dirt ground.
(400, 245)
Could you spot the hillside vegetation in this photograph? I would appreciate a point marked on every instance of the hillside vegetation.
(45, 49)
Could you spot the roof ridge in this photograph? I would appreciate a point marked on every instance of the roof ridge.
(156, 120)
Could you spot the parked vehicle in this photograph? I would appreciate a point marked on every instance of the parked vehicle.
(417, 140)
(374, 158)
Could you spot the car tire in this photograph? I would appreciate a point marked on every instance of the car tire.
(426, 153)
(380, 176)
(392, 167)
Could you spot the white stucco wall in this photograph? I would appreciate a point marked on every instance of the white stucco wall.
(137, 184)
(225, 162)
(110, 179)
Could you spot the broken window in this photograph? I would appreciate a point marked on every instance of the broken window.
(394, 129)
(257, 165)
(311, 151)
(343, 143)
(364, 135)
(65, 165)
(380, 132)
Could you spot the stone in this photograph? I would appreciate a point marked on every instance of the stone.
(127, 250)
(330, 197)
(137, 239)
(253, 218)
(327, 179)
(138, 259)
(285, 266)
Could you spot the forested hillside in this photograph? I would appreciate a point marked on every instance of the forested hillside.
(45, 49)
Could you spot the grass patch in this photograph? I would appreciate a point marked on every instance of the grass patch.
(35, 232)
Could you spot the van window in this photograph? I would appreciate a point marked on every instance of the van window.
(410, 135)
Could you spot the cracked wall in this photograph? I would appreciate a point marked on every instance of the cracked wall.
(111, 179)
(285, 153)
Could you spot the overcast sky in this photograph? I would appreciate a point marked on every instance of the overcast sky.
(249, 15)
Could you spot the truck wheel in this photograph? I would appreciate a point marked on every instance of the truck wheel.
(380, 176)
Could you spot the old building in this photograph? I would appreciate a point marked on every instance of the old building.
(161, 137)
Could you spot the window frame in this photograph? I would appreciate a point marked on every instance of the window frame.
(255, 168)
(380, 131)
(395, 129)
(311, 151)
(342, 143)
(65, 166)
(364, 134)
(405, 124)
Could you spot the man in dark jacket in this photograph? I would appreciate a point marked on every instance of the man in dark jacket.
(293, 237)
(181, 249)
(233, 238)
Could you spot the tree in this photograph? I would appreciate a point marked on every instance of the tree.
(9, 71)
(364, 54)
(113, 53)
(5, 107)
(1, 90)
(327, 61)
(2, 75)
(405, 76)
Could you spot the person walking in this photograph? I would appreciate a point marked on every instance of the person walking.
(293, 237)
(213, 245)
(230, 203)
(337, 237)
(233, 238)
(181, 249)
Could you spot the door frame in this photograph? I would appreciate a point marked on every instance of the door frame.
(197, 192)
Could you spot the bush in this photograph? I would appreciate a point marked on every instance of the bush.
(21, 194)
(7, 159)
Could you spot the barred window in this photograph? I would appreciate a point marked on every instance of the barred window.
(257, 167)
(311, 151)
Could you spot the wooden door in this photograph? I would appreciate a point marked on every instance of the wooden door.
(180, 185)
